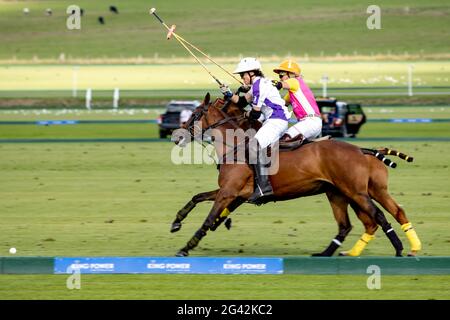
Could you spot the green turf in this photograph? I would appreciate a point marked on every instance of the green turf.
(265, 27)
(114, 199)
(191, 76)
(228, 287)
(118, 199)
(389, 112)
(144, 130)
(84, 114)
(372, 112)
(409, 130)
(93, 131)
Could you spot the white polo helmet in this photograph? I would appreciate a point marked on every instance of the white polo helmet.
(248, 64)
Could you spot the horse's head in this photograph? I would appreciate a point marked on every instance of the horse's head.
(208, 116)
(190, 129)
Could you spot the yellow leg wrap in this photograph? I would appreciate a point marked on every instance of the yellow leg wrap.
(360, 245)
(411, 234)
(225, 213)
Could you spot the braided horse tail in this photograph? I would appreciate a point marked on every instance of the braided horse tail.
(381, 153)
(387, 151)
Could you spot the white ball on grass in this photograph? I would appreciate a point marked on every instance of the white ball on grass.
(12, 250)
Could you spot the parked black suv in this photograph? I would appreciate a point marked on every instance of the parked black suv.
(170, 120)
(340, 119)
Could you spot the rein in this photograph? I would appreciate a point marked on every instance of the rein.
(227, 119)
(197, 116)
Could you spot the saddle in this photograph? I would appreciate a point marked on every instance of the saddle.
(288, 145)
(297, 142)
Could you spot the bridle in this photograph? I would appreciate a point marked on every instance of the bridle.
(198, 114)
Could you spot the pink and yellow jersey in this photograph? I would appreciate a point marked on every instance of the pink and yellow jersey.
(301, 98)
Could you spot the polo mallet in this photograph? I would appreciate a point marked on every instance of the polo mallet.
(183, 42)
(171, 31)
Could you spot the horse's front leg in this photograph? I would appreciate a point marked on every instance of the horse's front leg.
(224, 216)
(339, 204)
(223, 199)
(182, 214)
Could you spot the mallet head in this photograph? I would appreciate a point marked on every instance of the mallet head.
(152, 10)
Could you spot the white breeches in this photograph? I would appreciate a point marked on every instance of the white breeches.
(271, 131)
(309, 127)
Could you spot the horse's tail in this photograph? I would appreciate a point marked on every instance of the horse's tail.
(379, 154)
(387, 151)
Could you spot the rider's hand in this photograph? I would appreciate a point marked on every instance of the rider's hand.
(277, 84)
(253, 114)
(226, 91)
(244, 88)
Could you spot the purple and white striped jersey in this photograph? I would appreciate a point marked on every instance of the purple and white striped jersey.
(266, 96)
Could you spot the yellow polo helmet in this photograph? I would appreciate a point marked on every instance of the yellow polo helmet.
(288, 66)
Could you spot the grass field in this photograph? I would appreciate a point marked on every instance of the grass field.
(60, 200)
(149, 130)
(118, 199)
(314, 28)
(192, 76)
(373, 112)
(221, 287)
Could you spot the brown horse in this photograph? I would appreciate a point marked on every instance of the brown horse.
(324, 169)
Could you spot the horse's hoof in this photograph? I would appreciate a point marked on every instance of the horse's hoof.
(176, 226)
(228, 223)
(214, 226)
(412, 254)
(398, 254)
(182, 253)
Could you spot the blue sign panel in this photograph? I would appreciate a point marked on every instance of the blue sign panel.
(166, 265)
(56, 122)
(413, 120)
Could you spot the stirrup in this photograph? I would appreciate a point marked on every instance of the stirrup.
(258, 194)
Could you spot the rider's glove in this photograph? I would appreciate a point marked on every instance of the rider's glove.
(226, 91)
(277, 84)
(253, 114)
(244, 88)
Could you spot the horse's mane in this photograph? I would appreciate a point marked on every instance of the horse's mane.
(228, 106)
(233, 110)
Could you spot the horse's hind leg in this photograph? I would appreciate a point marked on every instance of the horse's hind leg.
(378, 190)
(339, 204)
(370, 228)
(223, 199)
(364, 203)
(388, 203)
(182, 214)
(225, 213)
